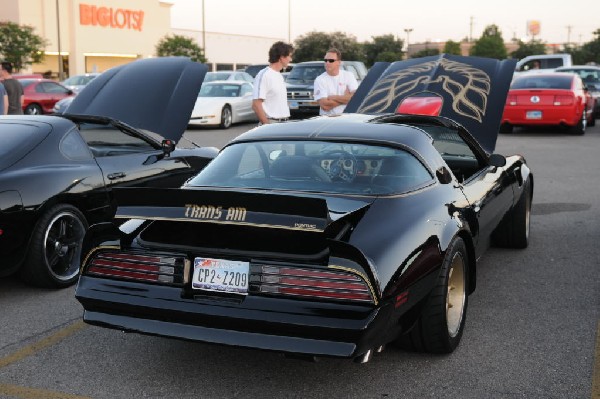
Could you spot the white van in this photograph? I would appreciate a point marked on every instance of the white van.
(543, 63)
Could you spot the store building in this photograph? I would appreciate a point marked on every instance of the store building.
(95, 35)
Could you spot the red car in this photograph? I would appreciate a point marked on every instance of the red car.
(548, 99)
(40, 95)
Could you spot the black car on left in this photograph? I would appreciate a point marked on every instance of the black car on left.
(57, 172)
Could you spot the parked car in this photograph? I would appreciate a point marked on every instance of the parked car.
(331, 236)
(301, 81)
(57, 173)
(229, 75)
(547, 99)
(222, 103)
(256, 68)
(61, 106)
(40, 95)
(590, 75)
(78, 82)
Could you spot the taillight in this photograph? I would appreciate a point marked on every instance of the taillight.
(132, 266)
(511, 100)
(325, 284)
(563, 100)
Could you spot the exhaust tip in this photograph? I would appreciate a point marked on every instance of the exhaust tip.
(365, 357)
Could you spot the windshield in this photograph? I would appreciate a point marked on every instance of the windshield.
(212, 76)
(305, 73)
(315, 166)
(219, 90)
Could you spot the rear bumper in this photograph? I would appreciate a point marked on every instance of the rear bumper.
(284, 325)
(550, 116)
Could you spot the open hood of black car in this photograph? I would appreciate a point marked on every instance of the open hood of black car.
(155, 94)
(472, 91)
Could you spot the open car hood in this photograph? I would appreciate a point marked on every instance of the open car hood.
(155, 94)
(472, 91)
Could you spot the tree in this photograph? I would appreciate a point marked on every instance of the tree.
(490, 44)
(383, 48)
(183, 46)
(452, 47)
(314, 45)
(591, 50)
(20, 45)
(531, 48)
(426, 53)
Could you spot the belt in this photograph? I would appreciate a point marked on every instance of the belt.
(278, 119)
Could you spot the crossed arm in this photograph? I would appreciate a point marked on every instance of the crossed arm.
(332, 101)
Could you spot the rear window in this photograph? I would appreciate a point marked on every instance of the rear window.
(315, 166)
(542, 82)
(16, 140)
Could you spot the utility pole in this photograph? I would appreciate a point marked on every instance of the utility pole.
(471, 30)
(60, 60)
(407, 30)
(289, 21)
(569, 27)
(203, 31)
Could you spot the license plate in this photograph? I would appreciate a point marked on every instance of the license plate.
(293, 104)
(533, 115)
(221, 275)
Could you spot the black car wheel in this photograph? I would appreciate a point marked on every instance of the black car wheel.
(441, 324)
(53, 257)
(506, 128)
(226, 117)
(579, 128)
(33, 109)
(513, 231)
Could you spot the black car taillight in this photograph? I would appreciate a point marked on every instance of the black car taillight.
(324, 284)
(131, 266)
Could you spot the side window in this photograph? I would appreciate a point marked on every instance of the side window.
(457, 154)
(246, 88)
(554, 63)
(73, 147)
(107, 141)
(251, 163)
(352, 70)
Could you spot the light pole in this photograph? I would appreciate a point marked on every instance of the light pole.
(407, 30)
(60, 60)
(289, 21)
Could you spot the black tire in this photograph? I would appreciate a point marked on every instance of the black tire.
(506, 128)
(513, 231)
(442, 321)
(54, 253)
(33, 109)
(592, 121)
(226, 117)
(579, 128)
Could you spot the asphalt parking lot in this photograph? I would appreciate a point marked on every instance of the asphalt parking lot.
(532, 329)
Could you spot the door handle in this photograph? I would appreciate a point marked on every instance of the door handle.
(117, 175)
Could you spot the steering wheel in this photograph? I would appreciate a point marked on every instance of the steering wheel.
(344, 165)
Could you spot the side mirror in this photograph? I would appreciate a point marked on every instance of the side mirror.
(168, 146)
(497, 160)
(443, 175)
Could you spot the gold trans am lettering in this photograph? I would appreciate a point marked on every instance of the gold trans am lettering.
(211, 212)
(469, 94)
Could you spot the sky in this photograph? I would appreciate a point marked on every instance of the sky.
(430, 20)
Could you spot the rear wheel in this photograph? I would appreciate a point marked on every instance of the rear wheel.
(226, 117)
(579, 128)
(54, 254)
(506, 128)
(33, 109)
(513, 232)
(442, 321)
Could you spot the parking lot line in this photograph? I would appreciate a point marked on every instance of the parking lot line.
(38, 346)
(32, 393)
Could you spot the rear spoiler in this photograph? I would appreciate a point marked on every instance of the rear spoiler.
(203, 205)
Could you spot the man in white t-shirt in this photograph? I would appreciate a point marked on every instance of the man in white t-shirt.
(269, 97)
(335, 86)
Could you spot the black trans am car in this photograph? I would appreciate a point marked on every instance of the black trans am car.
(57, 172)
(332, 236)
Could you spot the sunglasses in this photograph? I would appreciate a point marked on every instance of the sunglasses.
(330, 60)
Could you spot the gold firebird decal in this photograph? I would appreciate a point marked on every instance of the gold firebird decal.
(210, 212)
(469, 98)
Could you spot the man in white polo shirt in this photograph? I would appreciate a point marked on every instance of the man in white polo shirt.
(335, 86)
(269, 98)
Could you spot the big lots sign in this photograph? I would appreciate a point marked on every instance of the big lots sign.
(108, 17)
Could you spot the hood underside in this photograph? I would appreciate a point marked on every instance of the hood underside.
(473, 90)
(156, 94)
